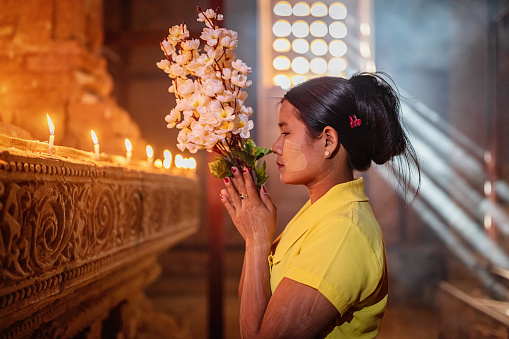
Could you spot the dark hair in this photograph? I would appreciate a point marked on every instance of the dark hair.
(332, 101)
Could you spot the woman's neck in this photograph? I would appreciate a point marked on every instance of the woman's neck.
(317, 189)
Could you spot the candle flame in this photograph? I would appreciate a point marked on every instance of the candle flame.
(158, 163)
(150, 151)
(192, 163)
(167, 154)
(51, 126)
(94, 137)
(128, 145)
(179, 161)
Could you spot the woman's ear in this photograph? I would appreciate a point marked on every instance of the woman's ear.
(332, 144)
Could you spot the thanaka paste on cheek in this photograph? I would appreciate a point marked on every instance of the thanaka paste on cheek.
(293, 158)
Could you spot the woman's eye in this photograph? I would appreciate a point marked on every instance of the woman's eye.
(285, 133)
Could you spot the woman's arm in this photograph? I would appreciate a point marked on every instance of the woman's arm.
(295, 310)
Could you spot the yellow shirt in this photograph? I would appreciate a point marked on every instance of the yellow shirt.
(335, 246)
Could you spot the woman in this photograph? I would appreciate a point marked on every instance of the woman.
(325, 276)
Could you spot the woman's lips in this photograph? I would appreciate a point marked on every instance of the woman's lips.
(279, 165)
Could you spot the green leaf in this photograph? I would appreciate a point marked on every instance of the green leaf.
(261, 174)
(220, 168)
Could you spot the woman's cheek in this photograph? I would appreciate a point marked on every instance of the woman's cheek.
(293, 157)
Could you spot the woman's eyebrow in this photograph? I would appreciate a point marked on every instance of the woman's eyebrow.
(282, 124)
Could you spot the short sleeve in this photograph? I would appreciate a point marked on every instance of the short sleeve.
(337, 259)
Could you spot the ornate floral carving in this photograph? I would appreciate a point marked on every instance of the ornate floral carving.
(62, 223)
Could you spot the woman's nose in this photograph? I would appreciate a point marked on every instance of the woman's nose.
(277, 146)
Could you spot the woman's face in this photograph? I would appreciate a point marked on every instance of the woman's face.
(300, 159)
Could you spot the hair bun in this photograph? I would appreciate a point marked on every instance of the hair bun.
(378, 103)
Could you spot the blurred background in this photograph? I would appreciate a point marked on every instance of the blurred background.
(447, 249)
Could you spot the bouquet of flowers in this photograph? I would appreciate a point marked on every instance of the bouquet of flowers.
(208, 86)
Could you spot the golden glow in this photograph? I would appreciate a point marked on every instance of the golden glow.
(281, 63)
(282, 28)
(337, 48)
(318, 65)
(50, 125)
(365, 29)
(364, 49)
(336, 66)
(283, 8)
(300, 65)
(281, 45)
(318, 9)
(94, 137)
(300, 46)
(338, 30)
(487, 187)
(300, 29)
(301, 9)
(298, 79)
(337, 11)
(128, 145)
(318, 29)
(319, 47)
(282, 81)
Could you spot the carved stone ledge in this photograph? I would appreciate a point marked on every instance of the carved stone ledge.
(78, 237)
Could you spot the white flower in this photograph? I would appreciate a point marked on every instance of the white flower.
(185, 142)
(246, 110)
(226, 96)
(176, 71)
(164, 64)
(208, 14)
(172, 118)
(243, 125)
(167, 48)
(241, 67)
(188, 87)
(211, 36)
(240, 80)
(190, 44)
(227, 73)
(177, 34)
(183, 58)
(226, 114)
(212, 87)
(188, 117)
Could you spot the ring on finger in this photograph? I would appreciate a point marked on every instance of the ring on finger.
(243, 195)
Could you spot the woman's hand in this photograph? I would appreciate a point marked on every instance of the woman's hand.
(252, 211)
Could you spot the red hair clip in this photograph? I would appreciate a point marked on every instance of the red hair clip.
(354, 122)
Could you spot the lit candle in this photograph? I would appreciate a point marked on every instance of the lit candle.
(96, 145)
(158, 163)
(179, 161)
(150, 155)
(51, 134)
(192, 163)
(167, 159)
(129, 150)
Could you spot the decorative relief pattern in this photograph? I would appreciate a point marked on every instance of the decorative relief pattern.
(68, 218)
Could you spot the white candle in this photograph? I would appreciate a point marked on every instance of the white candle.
(150, 155)
(96, 145)
(52, 134)
(129, 150)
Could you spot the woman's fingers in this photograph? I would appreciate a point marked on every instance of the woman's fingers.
(233, 194)
(240, 185)
(225, 199)
(267, 200)
(249, 182)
